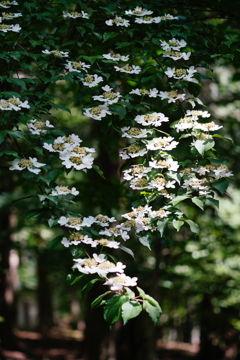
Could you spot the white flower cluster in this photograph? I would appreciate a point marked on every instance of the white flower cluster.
(13, 104)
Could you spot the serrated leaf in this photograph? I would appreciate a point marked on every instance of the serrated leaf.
(109, 35)
(203, 145)
(55, 242)
(113, 308)
(179, 199)
(161, 226)
(193, 226)
(73, 278)
(198, 202)
(177, 224)
(127, 250)
(130, 310)
(221, 185)
(88, 286)
(153, 311)
(97, 301)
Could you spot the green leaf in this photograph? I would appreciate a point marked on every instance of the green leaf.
(88, 286)
(54, 174)
(97, 301)
(161, 226)
(198, 202)
(113, 308)
(55, 242)
(33, 213)
(52, 222)
(204, 145)
(127, 250)
(130, 310)
(109, 35)
(144, 240)
(17, 134)
(118, 109)
(141, 292)
(56, 106)
(213, 201)
(153, 311)
(100, 172)
(223, 137)
(193, 226)
(8, 152)
(177, 224)
(73, 278)
(3, 134)
(179, 199)
(120, 45)
(221, 185)
(18, 82)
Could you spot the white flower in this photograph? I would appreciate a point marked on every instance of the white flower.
(148, 20)
(132, 151)
(103, 220)
(118, 21)
(6, 3)
(37, 127)
(168, 17)
(9, 16)
(134, 132)
(211, 126)
(64, 190)
(173, 44)
(79, 162)
(75, 14)
(77, 238)
(161, 213)
(160, 183)
(196, 113)
(13, 104)
(171, 96)
(142, 92)
(168, 163)
(154, 119)
(63, 144)
(139, 183)
(138, 11)
(135, 171)
(195, 183)
(115, 57)
(162, 143)
(129, 69)
(91, 80)
(30, 164)
(137, 213)
(98, 264)
(222, 171)
(182, 74)
(121, 280)
(97, 112)
(76, 222)
(6, 28)
(107, 243)
(176, 55)
(115, 231)
(76, 66)
(109, 96)
(55, 53)
(184, 123)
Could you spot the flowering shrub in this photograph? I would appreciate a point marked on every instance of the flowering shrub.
(157, 124)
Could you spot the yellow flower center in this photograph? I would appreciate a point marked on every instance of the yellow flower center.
(4, 104)
(134, 131)
(147, 18)
(180, 72)
(96, 110)
(132, 214)
(172, 94)
(109, 95)
(145, 221)
(106, 265)
(137, 169)
(174, 43)
(115, 230)
(14, 101)
(196, 113)
(210, 167)
(138, 12)
(140, 208)
(58, 147)
(161, 212)
(75, 13)
(162, 143)
(187, 171)
(89, 78)
(133, 149)
(118, 21)
(144, 92)
(101, 218)
(173, 53)
(74, 221)
(116, 56)
(128, 68)
(79, 150)
(8, 16)
(223, 167)
(163, 163)
(3, 26)
(64, 189)
(160, 181)
(56, 53)
(76, 65)
(90, 263)
(68, 139)
(141, 182)
(76, 237)
(76, 160)
(119, 280)
(185, 120)
(25, 163)
(150, 117)
(210, 125)
(39, 125)
(130, 224)
(103, 242)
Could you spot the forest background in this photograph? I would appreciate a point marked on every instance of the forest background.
(195, 278)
